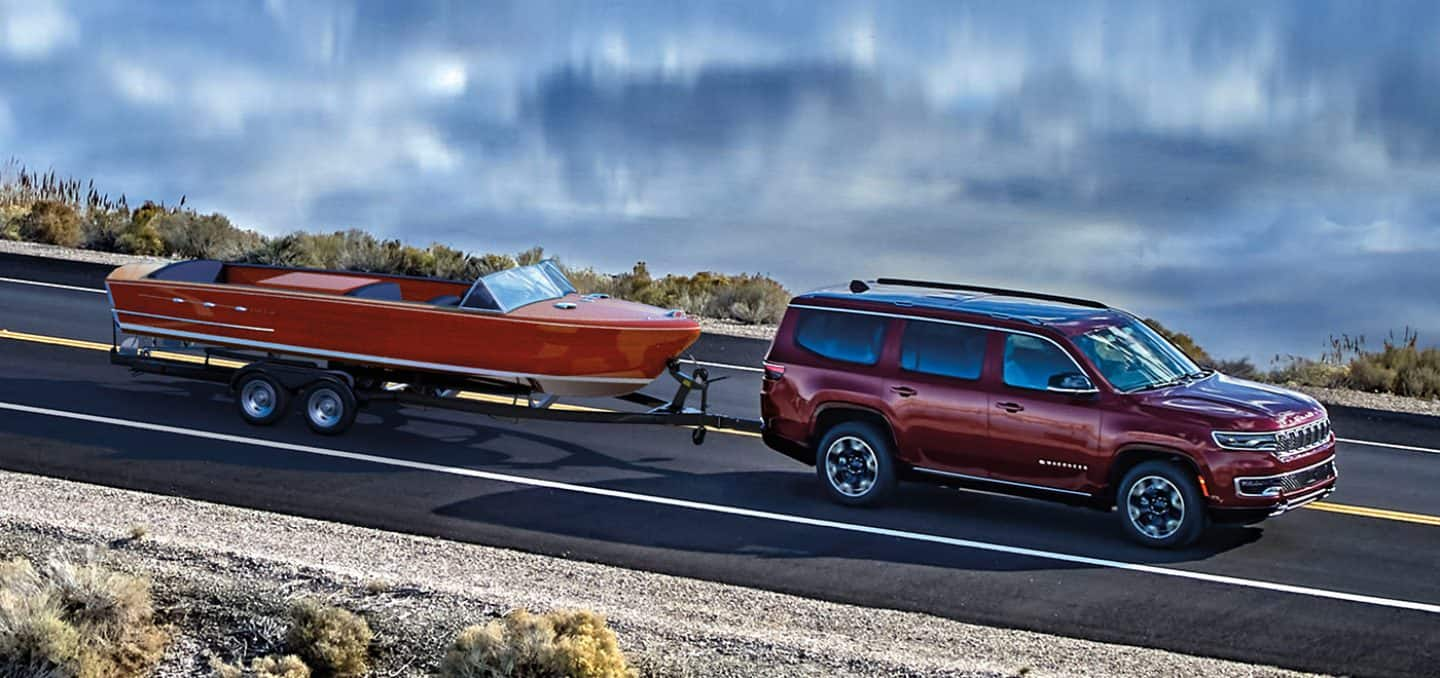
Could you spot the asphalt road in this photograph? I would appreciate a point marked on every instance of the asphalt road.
(1315, 590)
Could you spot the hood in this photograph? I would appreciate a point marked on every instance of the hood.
(1237, 404)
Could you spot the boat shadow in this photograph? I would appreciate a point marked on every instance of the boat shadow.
(424, 435)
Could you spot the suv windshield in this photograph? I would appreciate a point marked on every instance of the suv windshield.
(1134, 357)
(524, 285)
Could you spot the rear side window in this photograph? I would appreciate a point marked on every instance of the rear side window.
(945, 350)
(847, 337)
(1030, 362)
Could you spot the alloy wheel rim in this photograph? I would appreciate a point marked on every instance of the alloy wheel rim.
(851, 466)
(258, 398)
(325, 407)
(1156, 507)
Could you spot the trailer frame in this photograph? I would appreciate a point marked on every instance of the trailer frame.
(352, 387)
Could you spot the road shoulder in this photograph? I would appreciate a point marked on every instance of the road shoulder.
(219, 568)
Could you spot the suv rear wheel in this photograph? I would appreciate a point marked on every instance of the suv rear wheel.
(855, 464)
(1160, 506)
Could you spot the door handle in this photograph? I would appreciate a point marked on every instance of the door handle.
(903, 391)
(1012, 408)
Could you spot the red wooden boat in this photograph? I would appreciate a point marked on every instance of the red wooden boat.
(525, 326)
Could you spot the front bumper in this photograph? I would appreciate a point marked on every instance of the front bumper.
(1266, 496)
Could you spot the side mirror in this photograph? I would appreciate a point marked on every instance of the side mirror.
(1073, 383)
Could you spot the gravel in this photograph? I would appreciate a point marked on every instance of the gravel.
(223, 578)
(1373, 401)
(71, 254)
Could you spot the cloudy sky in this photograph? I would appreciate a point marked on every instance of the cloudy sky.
(1259, 174)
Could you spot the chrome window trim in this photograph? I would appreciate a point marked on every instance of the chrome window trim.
(962, 476)
(961, 323)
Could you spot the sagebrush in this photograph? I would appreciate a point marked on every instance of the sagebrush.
(76, 620)
(331, 640)
(560, 644)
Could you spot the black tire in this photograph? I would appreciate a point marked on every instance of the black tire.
(261, 399)
(1148, 510)
(329, 406)
(862, 470)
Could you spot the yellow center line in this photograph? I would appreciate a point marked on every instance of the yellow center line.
(1382, 514)
(1363, 511)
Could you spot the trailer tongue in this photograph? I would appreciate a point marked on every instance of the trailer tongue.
(331, 394)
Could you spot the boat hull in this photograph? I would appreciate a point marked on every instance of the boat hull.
(588, 356)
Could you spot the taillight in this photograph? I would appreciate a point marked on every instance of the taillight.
(774, 371)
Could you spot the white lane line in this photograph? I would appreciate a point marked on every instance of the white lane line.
(742, 512)
(727, 366)
(1393, 446)
(57, 286)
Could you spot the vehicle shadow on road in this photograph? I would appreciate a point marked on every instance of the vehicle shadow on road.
(663, 532)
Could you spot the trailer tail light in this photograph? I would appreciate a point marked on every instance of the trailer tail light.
(774, 371)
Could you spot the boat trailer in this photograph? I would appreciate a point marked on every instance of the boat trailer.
(331, 395)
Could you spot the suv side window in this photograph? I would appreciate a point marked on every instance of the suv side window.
(945, 350)
(847, 337)
(1030, 362)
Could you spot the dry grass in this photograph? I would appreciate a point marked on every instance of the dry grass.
(65, 619)
(562, 644)
(333, 641)
(288, 666)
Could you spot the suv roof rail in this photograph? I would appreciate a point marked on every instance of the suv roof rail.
(1090, 303)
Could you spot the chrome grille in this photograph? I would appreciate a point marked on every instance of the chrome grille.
(1302, 438)
(1304, 478)
(1266, 486)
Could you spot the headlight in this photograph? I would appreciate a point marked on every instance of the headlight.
(1255, 442)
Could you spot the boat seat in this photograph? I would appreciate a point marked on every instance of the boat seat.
(445, 300)
(387, 291)
(197, 271)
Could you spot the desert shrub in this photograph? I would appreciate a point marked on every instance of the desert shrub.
(749, 299)
(1400, 367)
(562, 644)
(101, 229)
(332, 640)
(142, 235)
(486, 264)
(10, 217)
(1301, 371)
(52, 223)
(195, 236)
(65, 619)
(288, 666)
(1184, 342)
(1241, 368)
(530, 257)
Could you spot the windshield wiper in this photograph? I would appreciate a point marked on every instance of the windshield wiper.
(1177, 381)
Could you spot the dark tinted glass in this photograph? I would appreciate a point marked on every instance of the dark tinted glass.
(848, 337)
(1030, 362)
(946, 350)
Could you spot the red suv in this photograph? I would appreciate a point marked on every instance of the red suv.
(1037, 395)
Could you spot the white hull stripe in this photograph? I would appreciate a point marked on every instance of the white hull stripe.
(375, 359)
(791, 519)
(247, 328)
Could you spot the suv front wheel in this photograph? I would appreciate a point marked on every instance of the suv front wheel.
(855, 464)
(1160, 506)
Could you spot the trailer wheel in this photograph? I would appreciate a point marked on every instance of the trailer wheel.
(329, 407)
(261, 399)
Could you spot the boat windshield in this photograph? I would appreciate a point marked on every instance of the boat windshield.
(523, 285)
(1134, 357)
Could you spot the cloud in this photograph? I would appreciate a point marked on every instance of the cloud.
(1198, 162)
(33, 29)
